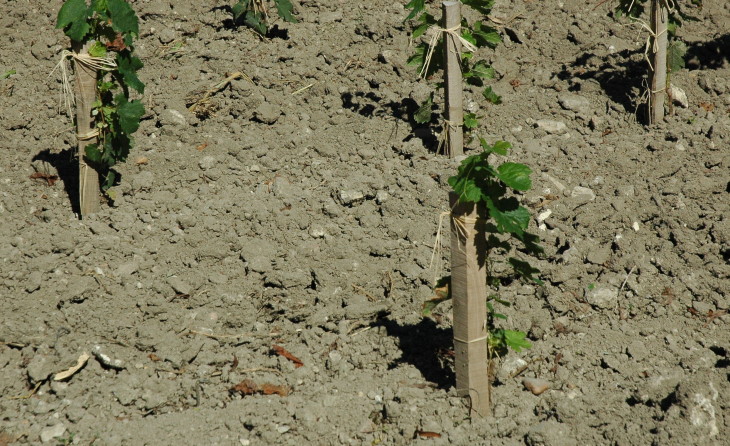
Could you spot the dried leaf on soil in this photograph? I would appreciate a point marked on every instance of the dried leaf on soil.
(426, 434)
(6, 439)
(279, 350)
(117, 45)
(80, 363)
(50, 179)
(441, 294)
(249, 387)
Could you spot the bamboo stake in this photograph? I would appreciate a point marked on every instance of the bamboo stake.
(453, 80)
(658, 74)
(469, 293)
(85, 94)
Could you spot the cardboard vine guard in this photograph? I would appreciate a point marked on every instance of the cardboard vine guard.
(102, 34)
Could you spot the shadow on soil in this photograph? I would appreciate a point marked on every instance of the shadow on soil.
(708, 55)
(229, 23)
(65, 163)
(622, 73)
(619, 76)
(369, 105)
(423, 345)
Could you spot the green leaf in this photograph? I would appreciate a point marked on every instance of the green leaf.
(500, 147)
(103, 87)
(481, 6)
(516, 340)
(419, 54)
(496, 298)
(239, 9)
(100, 7)
(420, 30)
(108, 153)
(675, 55)
(515, 175)
(442, 293)
(97, 49)
(72, 18)
(108, 111)
(485, 35)
(423, 114)
(127, 66)
(7, 74)
(255, 21)
(123, 18)
(129, 113)
(491, 96)
(482, 70)
(524, 269)
(467, 189)
(93, 153)
(507, 217)
(471, 121)
(416, 7)
(109, 179)
(285, 8)
(467, 35)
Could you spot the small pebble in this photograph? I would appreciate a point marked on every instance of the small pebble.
(536, 385)
(55, 431)
(551, 126)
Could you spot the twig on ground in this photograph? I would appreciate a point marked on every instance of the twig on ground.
(261, 369)
(302, 89)
(361, 290)
(216, 88)
(32, 392)
(626, 280)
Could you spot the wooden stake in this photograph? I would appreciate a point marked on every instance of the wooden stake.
(658, 76)
(453, 80)
(469, 294)
(85, 93)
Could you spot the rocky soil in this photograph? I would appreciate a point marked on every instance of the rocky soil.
(299, 214)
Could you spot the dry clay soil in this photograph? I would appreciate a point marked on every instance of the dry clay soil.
(300, 209)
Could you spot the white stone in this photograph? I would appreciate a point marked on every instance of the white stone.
(702, 414)
(679, 97)
(511, 365)
(584, 193)
(574, 102)
(348, 197)
(551, 126)
(207, 162)
(541, 217)
(316, 232)
(170, 116)
(52, 432)
(602, 297)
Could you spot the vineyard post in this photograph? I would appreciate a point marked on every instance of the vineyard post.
(658, 79)
(469, 291)
(85, 94)
(453, 79)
